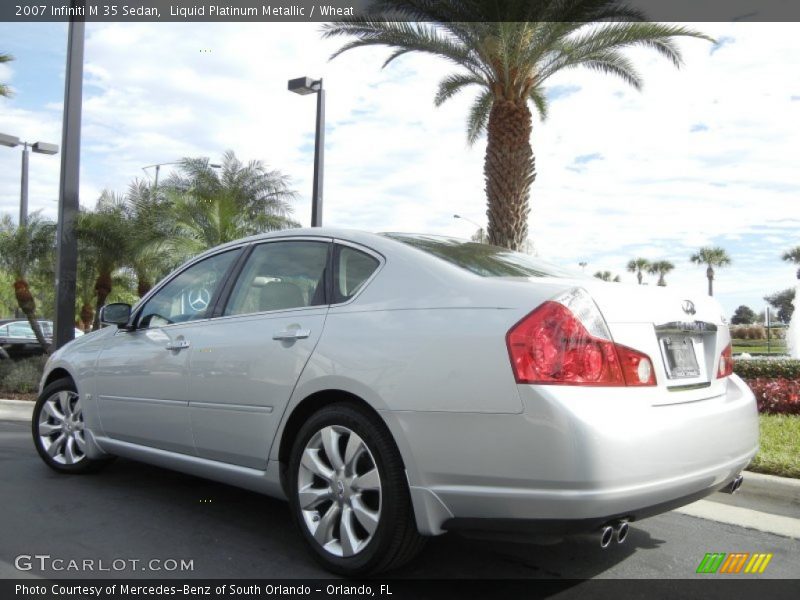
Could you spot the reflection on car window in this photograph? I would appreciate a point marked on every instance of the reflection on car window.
(281, 275)
(188, 296)
(352, 268)
(483, 259)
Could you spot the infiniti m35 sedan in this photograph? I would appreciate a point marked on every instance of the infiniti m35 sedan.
(396, 386)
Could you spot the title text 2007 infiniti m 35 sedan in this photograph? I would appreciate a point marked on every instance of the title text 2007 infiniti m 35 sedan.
(397, 386)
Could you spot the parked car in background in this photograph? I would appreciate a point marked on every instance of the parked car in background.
(18, 340)
(399, 386)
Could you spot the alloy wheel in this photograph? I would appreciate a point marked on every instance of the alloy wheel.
(339, 491)
(61, 428)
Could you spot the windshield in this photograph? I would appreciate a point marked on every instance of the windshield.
(483, 259)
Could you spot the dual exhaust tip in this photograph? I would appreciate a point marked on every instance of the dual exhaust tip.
(614, 531)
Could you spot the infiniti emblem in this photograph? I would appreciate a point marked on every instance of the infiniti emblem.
(688, 307)
(340, 488)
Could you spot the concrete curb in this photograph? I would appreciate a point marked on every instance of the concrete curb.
(16, 410)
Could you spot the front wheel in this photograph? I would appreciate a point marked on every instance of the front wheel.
(349, 495)
(58, 429)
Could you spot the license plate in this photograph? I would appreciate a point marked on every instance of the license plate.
(680, 357)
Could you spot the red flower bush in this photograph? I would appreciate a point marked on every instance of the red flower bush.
(776, 396)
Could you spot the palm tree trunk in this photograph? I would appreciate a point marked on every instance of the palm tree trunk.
(639, 277)
(27, 304)
(102, 288)
(87, 316)
(143, 286)
(710, 275)
(509, 172)
(661, 281)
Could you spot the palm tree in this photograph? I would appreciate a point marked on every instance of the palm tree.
(211, 208)
(660, 268)
(793, 256)
(713, 257)
(5, 91)
(22, 248)
(607, 276)
(509, 50)
(107, 232)
(638, 266)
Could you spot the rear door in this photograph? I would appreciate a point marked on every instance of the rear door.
(245, 363)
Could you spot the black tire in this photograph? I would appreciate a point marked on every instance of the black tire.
(80, 463)
(395, 540)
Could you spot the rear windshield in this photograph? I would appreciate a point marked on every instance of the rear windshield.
(483, 259)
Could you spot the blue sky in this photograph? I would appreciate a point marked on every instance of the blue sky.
(705, 155)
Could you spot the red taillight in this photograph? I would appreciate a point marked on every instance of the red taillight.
(725, 363)
(552, 346)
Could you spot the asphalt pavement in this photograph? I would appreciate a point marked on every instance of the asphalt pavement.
(130, 514)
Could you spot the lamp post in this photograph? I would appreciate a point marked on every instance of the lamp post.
(174, 162)
(480, 228)
(305, 86)
(38, 147)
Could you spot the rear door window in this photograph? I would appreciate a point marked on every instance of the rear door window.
(351, 270)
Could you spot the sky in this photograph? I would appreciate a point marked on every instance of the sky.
(704, 155)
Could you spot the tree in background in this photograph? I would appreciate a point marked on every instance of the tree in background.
(5, 91)
(106, 233)
(607, 276)
(638, 266)
(660, 268)
(22, 248)
(783, 303)
(211, 207)
(509, 50)
(712, 257)
(793, 256)
(744, 315)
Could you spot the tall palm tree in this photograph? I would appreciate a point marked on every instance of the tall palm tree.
(5, 91)
(509, 50)
(22, 247)
(638, 266)
(211, 208)
(793, 256)
(660, 268)
(712, 257)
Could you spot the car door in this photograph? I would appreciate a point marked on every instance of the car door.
(245, 363)
(141, 382)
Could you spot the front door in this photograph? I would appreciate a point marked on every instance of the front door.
(141, 385)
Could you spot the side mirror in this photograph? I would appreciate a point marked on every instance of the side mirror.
(117, 313)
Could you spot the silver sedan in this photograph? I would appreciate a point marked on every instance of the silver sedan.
(394, 387)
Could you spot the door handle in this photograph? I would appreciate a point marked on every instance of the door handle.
(178, 345)
(291, 334)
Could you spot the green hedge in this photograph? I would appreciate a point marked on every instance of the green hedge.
(752, 369)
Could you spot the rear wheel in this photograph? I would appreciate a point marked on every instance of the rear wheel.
(58, 429)
(349, 495)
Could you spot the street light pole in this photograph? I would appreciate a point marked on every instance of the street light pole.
(480, 227)
(68, 198)
(304, 86)
(23, 194)
(40, 148)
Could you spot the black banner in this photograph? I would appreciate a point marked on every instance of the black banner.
(333, 10)
(388, 589)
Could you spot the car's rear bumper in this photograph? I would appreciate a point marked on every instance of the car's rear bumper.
(575, 457)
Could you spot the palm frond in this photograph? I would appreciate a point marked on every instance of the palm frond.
(479, 116)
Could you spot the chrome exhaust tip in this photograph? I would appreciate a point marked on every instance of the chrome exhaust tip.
(734, 485)
(606, 535)
(622, 532)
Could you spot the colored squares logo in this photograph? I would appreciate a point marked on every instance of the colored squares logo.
(734, 562)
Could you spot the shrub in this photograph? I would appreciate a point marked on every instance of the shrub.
(21, 376)
(756, 368)
(776, 396)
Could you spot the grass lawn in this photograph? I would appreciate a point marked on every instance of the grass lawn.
(780, 446)
(760, 346)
